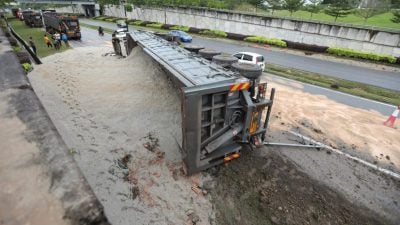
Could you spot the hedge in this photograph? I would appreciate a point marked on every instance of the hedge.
(137, 22)
(239, 37)
(182, 28)
(362, 55)
(264, 40)
(27, 67)
(155, 25)
(214, 33)
(306, 47)
(195, 30)
(23, 57)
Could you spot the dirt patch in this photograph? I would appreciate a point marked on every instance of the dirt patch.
(267, 189)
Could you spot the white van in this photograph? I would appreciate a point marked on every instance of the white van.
(250, 58)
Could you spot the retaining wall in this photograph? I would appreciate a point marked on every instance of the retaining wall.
(322, 34)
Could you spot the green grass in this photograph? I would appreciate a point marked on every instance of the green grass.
(350, 87)
(382, 20)
(37, 35)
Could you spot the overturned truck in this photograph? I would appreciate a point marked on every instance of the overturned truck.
(221, 109)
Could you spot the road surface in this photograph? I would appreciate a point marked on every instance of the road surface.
(91, 38)
(385, 79)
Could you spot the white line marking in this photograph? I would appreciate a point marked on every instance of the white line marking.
(385, 171)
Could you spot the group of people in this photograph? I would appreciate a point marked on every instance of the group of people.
(57, 39)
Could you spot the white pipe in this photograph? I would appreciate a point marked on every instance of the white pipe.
(385, 171)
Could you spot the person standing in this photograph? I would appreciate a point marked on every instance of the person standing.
(32, 44)
(47, 41)
(392, 118)
(64, 38)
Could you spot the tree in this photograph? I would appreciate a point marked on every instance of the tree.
(313, 7)
(256, 3)
(274, 5)
(370, 8)
(396, 18)
(395, 4)
(340, 8)
(292, 5)
(5, 2)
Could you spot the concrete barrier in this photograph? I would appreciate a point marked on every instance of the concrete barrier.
(377, 40)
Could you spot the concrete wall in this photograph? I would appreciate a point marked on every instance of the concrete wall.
(362, 39)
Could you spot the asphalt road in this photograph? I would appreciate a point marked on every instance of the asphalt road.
(91, 38)
(385, 79)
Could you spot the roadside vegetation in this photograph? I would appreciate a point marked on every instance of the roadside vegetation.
(376, 13)
(37, 35)
(350, 87)
(342, 52)
(22, 55)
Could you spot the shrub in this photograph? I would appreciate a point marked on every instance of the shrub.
(109, 19)
(166, 26)
(137, 22)
(13, 41)
(195, 30)
(144, 23)
(362, 55)
(214, 33)
(306, 47)
(27, 67)
(182, 28)
(155, 25)
(239, 37)
(264, 40)
(17, 48)
(23, 57)
(116, 19)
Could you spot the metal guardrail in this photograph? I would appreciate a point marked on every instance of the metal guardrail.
(23, 43)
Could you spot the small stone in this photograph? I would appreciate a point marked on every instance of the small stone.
(280, 208)
(387, 157)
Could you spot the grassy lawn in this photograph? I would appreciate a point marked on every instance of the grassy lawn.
(382, 20)
(350, 87)
(37, 34)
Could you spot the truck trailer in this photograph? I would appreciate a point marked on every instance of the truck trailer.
(222, 109)
(32, 19)
(69, 25)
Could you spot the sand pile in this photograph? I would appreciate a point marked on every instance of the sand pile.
(356, 131)
(121, 119)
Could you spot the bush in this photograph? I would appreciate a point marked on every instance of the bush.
(137, 22)
(13, 41)
(182, 28)
(362, 55)
(27, 67)
(306, 47)
(264, 40)
(155, 25)
(239, 37)
(166, 26)
(195, 30)
(23, 57)
(144, 23)
(115, 19)
(214, 33)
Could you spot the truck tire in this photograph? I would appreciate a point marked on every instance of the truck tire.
(193, 48)
(224, 60)
(209, 53)
(250, 71)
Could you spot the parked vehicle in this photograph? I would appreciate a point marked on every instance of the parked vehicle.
(183, 36)
(32, 19)
(250, 58)
(55, 22)
(121, 24)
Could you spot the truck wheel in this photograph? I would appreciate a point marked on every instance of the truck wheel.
(209, 53)
(250, 71)
(224, 60)
(193, 48)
